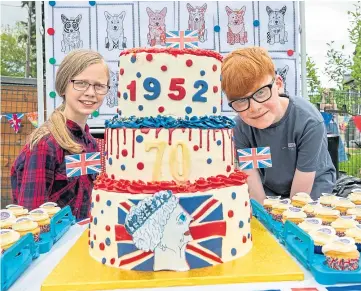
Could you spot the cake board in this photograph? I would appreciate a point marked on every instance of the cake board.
(266, 262)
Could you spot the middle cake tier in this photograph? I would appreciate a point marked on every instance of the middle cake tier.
(166, 154)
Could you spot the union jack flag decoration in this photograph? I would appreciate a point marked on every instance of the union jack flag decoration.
(82, 164)
(182, 39)
(207, 229)
(252, 158)
(15, 120)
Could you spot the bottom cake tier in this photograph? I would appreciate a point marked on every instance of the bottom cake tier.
(169, 230)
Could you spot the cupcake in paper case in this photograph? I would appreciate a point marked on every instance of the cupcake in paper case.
(25, 225)
(310, 207)
(322, 236)
(42, 218)
(300, 199)
(326, 199)
(343, 204)
(17, 210)
(327, 214)
(355, 197)
(7, 219)
(355, 233)
(51, 208)
(8, 237)
(343, 223)
(294, 214)
(355, 211)
(270, 201)
(310, 224)
(342, 254)
(279, 208)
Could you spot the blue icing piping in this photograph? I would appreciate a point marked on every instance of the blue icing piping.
(204, 122)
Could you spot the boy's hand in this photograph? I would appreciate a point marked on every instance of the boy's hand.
(302, 182)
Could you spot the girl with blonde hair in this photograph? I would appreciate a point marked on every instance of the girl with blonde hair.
(39, 172)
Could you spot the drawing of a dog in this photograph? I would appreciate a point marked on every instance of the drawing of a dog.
(196, 20)
(71, 34)
(283, 73)
(236, 29)
(115, 31)
(276, 26)
(157, 26)
(111, 97)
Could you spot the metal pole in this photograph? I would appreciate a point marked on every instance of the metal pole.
(303, 50)
(39, 60)
(27, 68)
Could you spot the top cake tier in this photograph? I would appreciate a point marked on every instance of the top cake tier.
(170, 82)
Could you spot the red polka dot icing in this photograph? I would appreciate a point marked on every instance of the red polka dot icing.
(230, 213)
(97, 198)
(215, 89)
(229, 168)
(214, 68)
(161, 109)
(140, 166)
(112, 261)
(149, 57)
(118, 94)
(164, 68)
(121, 71)
(101, 246)
(246, 203)
(94, 237)
(124, 153)
(244, 239)
(189, 63)
(107, 228)
(196, 148)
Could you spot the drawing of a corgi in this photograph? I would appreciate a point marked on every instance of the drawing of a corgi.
(236, 29)
(71, 34)
(157, 26)
(276, 26)
(115, 31)
(196, 20)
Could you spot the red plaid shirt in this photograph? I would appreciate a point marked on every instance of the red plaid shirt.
(39, 176)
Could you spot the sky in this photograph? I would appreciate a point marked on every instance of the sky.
(325, 21)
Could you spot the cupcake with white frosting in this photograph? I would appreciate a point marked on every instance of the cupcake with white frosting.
(310, 224)
(51, 208)
(7, 219)
(25, 225)
(17, 210)
(327, 214)
(294, 214)
(322, 236)
(356, 212)
(270, 201)
(355, 233)
(8, 237)
(301, 199)
(343, 204)
(327, 199)
(344, 223)
(279, 208)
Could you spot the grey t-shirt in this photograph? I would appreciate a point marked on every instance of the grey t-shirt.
(297, 141)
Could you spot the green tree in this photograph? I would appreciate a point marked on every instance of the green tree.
(313, 79)
(337, 64)
(355, 38)
(12, 52)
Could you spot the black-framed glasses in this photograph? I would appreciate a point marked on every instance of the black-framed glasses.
(261, 95)
(81, 85)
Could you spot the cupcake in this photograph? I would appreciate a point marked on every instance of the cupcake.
(17, 210)
(25, 225)
(355, 233)
(343, 223)
(326, 199)
(342, 254)
(310, 224)
(42, 218)
(7, 219)
(294, 214)
(355, 198)
(269, 202)
(322, 236)
(343, 204)
(279, 208)
(301, 199)
(7, 238)
(309, 208)
(51, 208)
(355, 211)
(327, 214)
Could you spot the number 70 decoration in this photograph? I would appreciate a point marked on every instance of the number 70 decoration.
(176, 91)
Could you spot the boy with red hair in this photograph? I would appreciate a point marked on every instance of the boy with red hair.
(292, 128)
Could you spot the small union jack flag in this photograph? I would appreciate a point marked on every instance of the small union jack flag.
(82, 164)
(15, 120)
(254, 158)
(182, 39)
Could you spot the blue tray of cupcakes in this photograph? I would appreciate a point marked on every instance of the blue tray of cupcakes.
(327, 268)
(28, 236)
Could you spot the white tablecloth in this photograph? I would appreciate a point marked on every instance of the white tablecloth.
(33, 277)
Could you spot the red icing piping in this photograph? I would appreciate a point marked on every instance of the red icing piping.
(174, 52)
(103, 182)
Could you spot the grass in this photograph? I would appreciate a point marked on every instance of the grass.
(353, 165)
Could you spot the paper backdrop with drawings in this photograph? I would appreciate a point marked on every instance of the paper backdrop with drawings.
(236, 25)
(115, 28)
(201, 16)
(277, 30)
(72, 30)
(155, 19)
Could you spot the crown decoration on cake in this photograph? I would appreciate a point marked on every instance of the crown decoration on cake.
(150, 206)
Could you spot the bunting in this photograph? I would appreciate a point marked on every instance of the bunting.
(33, 118)
(15, 120)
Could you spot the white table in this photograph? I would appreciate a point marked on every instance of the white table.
(34, 276)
